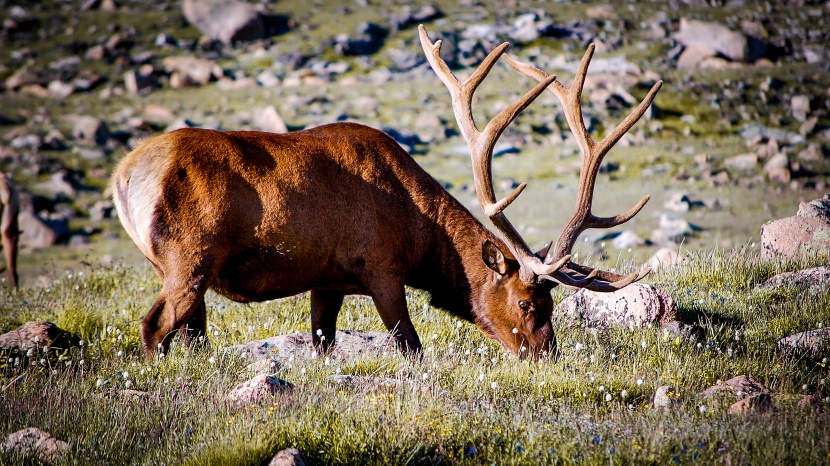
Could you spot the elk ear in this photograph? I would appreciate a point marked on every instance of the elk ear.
(493, 257)
(543, 253)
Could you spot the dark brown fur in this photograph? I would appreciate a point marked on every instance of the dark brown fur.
(339, 209)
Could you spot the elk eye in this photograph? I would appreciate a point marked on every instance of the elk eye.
(524, 305)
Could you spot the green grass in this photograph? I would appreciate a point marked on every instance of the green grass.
(465, 401)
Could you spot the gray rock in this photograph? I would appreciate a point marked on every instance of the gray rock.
(347, 343)
(368, 40)
(807, 233)
(690, 333)
(693, 55)
(91, 130)
(736, 388)
(729, 43)
(288, 457)
(742, 162)
(755, 404)
(36, 234)
(35, 442)
(755, 130)
(800, 107)
(191, 71)
(812, 341)
(28, 141)
(627, 239)
(227, 21)
(665, 397)
(258, 390)
(268, 119)
(678, 202)
(59, 89)
(635, 305)
(36, 335)
(664, 258)
(25, 76)
(814, 278)
(102, 210)
(410, 16)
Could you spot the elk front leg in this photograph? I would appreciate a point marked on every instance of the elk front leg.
(325, 306)
(390, 300)
(172, 311)
(195, 327)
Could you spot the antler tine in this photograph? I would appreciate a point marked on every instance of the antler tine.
(592, 156)
(481, 146)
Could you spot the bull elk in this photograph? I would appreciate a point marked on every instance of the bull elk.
(341, 209)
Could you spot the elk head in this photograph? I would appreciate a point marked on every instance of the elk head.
(519, 308)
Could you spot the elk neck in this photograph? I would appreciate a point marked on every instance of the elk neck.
(452, 269)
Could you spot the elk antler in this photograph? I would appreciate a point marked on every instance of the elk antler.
(573, 274)
(481, 145)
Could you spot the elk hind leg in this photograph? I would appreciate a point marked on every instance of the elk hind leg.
(173, 311)
(325, 306)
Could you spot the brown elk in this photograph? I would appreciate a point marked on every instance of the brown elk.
(9, 230)
(341, 209)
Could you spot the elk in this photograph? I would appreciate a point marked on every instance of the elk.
(9, 230)
(341, 209)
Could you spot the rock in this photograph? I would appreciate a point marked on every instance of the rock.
(157, 114)
(777, 168)
(78, 241)
(267, 119)
(268, 79)
(411, 16)
(35, 233)
(812, 341)
(676, 227)
(348, 343)
(627, 239)
(264, 366)
(754, 404)
(137, 83)
(742, 162)
(602, 12)
(693, 55)
(665, 396)
(59, 89)
(689, 333)
(61, 182)
(727, 42)
(753, 130)
(800, 107)
(678, 202)
(365, 382)
(809, 125)
(805, 234)
(101, 210)
(35, 442)
(25, 76)
(227, 21)
(811, 153)
(91, 130)
(369, 39)
(28, 141)
(737, 388)
(257, 389)
(636, 305)
(191, 71)
(95, 53)
(36, 335)
(664, 258)
(54, 140)
(815, 278)
(288, 457)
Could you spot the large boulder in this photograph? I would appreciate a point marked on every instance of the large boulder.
(816, 278)
(703, 35)
(635, 305)
(736, 388)
(35, 442)
(288, 457)
(36, 335)
(227, 21)
(807, 233)
(347, 343)
(812, 341)
(258, 389)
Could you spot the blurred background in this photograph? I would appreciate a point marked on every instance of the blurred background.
(738, 135)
